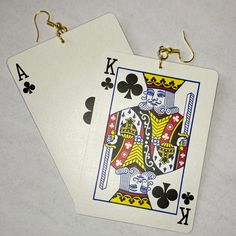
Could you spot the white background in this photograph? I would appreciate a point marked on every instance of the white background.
(33, 197)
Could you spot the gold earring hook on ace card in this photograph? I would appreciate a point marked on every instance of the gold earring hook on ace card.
(59, 27)
(164, 52)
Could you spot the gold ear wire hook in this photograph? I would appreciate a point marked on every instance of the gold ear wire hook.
(163, 52)
(48, 22)
(60, 28)
(190, 49)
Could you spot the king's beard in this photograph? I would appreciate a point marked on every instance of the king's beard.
(160, 110)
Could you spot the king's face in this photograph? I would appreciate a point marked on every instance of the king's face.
(138, 184)
(156, 97)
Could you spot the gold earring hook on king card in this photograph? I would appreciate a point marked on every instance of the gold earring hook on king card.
(164, 52)
(60, 28)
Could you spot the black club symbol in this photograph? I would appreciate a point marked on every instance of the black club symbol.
(107, 83)
(164, 195)
(187, 197)
(28, 88)
(89, 103)
(130, 86)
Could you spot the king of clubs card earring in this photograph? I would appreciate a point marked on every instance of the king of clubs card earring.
(148, 140)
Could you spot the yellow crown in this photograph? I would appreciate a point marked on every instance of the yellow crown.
(163, 82)
(128, 129)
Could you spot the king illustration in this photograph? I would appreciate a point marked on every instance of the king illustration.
(147, 140)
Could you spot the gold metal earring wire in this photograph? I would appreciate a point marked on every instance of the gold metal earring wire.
(164, 52)
(60, 28)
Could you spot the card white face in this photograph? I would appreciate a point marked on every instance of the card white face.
(57, 82)
(147, 142)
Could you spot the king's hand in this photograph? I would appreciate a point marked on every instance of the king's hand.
(182, 141)
(112, 139)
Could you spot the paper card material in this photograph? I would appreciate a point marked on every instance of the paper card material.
(57, 82)
(147, 142)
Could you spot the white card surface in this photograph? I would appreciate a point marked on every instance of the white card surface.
(56, 80)
(147, 142)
